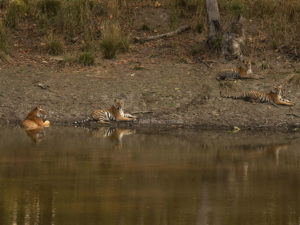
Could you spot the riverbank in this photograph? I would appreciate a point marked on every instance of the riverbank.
(161, 91)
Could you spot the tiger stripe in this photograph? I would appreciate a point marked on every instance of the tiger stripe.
(273, 97)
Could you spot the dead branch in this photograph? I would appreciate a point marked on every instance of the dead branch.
(292, 114)
(141, 112)
(169, 34)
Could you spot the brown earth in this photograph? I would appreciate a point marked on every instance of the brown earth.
(160, 78)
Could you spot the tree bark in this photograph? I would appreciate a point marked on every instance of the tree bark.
(213, 21)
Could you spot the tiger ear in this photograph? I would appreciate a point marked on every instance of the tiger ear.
(36, 108)
(276, 86)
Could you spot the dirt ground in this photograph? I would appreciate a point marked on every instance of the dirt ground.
(162, 79)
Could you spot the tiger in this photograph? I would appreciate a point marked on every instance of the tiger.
(243, 71)
(274, 97)
(115, 135)
(115, 113)
(36, 135)
(34, 119)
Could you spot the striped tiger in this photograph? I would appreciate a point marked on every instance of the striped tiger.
(115, 113)
(115, 135)
(34, 119)
(243, 71)
(274, 97)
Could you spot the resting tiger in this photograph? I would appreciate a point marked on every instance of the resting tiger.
(115, 135)
(243, 71)
(274, 97)
(34, 119)
(115, 113)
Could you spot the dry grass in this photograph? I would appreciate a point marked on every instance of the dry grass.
(113, 40)
(294, 80)
(87, 59)
(14, 13)
(85, 19)
(54, 45)
(4, 42)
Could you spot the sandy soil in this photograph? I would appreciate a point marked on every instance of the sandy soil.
(161, 77)
(173, 92)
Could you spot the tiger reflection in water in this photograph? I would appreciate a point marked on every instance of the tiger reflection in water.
(253, 153)
(34, 124)
(115, 135)
(36, 135)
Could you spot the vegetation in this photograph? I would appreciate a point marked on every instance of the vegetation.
(87, 58)
(14, 13)
(113, 40)
(68, 60)
(86, 20)
(294, 79)
(54, 46)
(4, 45)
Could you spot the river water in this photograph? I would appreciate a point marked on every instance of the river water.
(119, 176)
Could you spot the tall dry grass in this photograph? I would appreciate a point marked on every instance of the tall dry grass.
(113, 40)
(4, 41)
(279, 19)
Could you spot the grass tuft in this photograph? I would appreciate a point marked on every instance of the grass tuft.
(15, 12)
(4, 43)
(49, 7)
(54, 46)
(238, 7)
(113, 40)
(87, 58)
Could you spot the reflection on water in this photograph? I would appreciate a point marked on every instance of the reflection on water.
(77, 176)
(114, 134)
(36, 135)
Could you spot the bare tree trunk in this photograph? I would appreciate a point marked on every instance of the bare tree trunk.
(213, 22)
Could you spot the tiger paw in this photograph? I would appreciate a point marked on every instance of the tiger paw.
(47, 123)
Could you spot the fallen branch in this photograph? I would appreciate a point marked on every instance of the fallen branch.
(141, 112)
(169, 34)
(292, 114)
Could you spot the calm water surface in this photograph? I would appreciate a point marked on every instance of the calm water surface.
(79, 176)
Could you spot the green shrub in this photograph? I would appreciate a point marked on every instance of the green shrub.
(113, 40)
(87, 58)
(49, 7)
(54, 46)
(237, 7)
(14, 13)
(3, 39)
(68, 60)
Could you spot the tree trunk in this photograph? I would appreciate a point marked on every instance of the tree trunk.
(213, 23)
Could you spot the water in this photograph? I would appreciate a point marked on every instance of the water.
(79, 176)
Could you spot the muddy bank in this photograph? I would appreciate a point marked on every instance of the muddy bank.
(172, 93)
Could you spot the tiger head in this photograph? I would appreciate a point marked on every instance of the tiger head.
(37, 112)
(246, 64)
(277, 90)
(118, 103)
